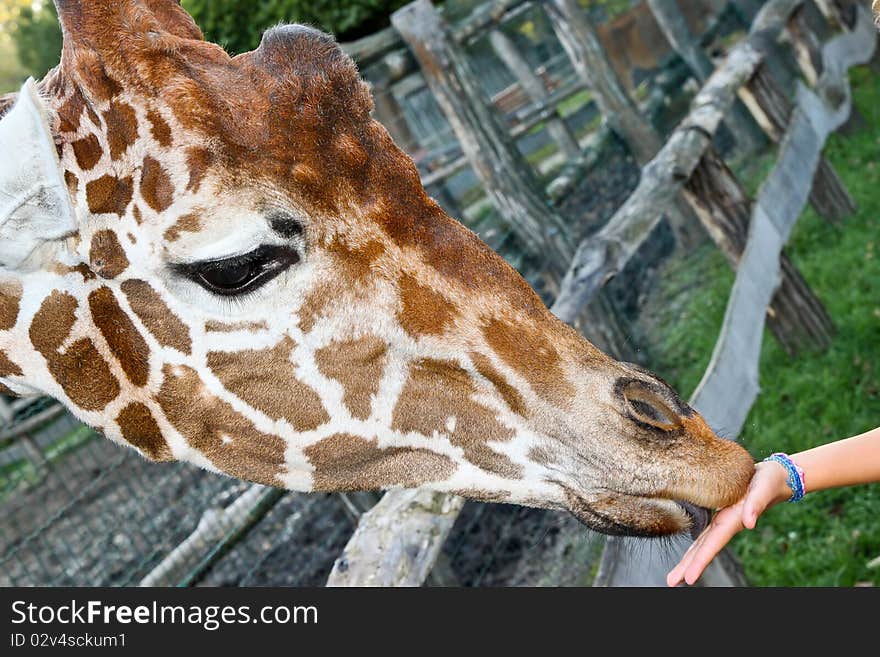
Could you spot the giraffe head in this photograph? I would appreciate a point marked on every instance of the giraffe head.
(253, 279)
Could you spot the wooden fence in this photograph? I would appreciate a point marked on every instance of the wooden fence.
(398, 541)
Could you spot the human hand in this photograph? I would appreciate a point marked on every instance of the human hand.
(769, 486)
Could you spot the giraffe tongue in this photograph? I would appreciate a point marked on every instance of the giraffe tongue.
(700, 517)
(35, 206)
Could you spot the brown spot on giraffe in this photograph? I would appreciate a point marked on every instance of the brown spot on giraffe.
(93, 116)
(508, 393)
(72, 183)
(122, 128)
(540, 455)
(211, 426)
(7, 367)
(109, 194)
(229, 327)
(353, 266)
(136, 213)
(358, 365)
(529, 351)
(188, 223)
(423, 311)
(140, 428)
(10, 301)
(310, 311)
(70, 112)
(123, 338)
(436, 391)
(198, 161)
(266, 379)
(81, 370)
(53, 322)
(159, 128)
(87, 152)
(106, 255)
(83, 270)
(482, 495)
(157, 317)
(156, 187)
(346, 462)
(356, 261)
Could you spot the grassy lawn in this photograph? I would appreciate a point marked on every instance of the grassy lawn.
(828, 538)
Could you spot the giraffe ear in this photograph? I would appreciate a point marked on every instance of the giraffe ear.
(35, 205)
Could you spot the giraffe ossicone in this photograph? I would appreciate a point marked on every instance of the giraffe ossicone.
(254, 280)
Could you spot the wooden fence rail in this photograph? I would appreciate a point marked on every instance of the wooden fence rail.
(398, 540)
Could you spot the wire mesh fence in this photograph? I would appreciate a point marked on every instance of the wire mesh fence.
(98, 514)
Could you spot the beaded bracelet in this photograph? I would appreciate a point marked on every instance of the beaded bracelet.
(795, 475)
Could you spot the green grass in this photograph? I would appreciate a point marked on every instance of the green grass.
(828, 538)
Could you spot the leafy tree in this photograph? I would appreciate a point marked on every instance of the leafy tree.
(37, 37)
(239, 24)
(9, 11)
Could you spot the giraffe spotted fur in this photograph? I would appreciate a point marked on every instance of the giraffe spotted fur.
(380, 345)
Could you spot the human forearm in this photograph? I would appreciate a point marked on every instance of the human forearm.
(844, 462)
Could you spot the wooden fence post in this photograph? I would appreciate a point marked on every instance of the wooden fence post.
(580, 41)
(386, 108)
(772, 110)
(533, 85)
(796, 316)
(676, 30)
(508, 180)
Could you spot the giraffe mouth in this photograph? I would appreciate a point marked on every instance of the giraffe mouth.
(699, 515)
(624, 514)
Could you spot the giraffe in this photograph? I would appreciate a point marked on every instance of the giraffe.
(227, 261)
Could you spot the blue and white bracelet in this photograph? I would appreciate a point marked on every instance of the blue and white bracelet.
(795, 475)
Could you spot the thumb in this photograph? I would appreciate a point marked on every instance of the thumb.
(750, 515)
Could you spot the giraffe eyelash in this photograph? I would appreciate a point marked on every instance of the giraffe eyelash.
(241, 275)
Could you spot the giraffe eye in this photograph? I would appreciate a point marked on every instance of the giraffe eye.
(241, 274)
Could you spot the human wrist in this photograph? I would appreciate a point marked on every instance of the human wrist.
(791, 481)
